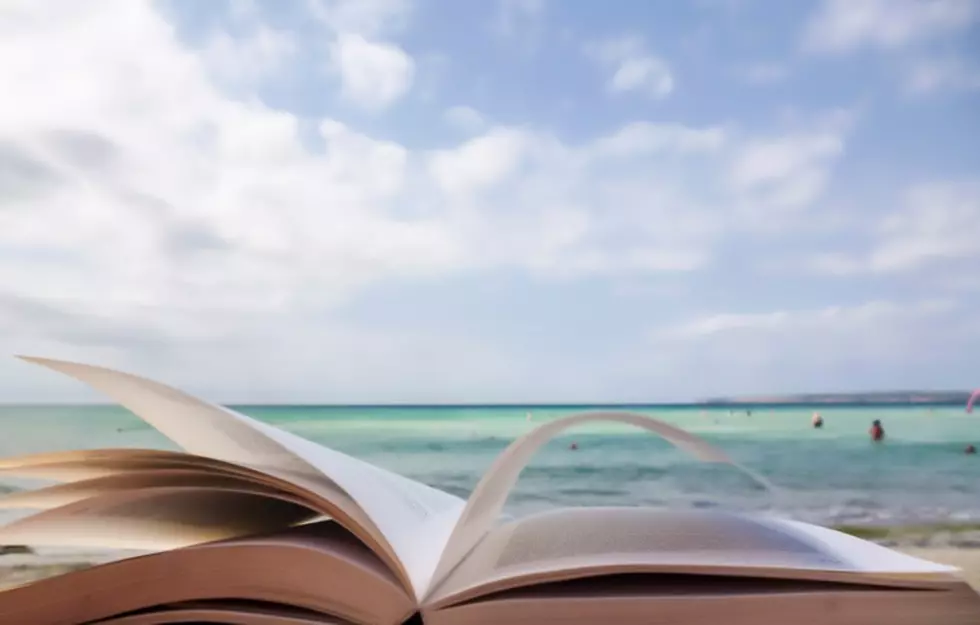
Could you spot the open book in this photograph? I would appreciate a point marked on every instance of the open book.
(253, 525)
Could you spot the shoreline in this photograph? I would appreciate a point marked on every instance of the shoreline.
(938, 535)
(20, 567)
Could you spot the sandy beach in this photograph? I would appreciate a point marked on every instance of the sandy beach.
(21, 568)
(968, 560)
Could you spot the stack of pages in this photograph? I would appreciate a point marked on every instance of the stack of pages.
(252, 525)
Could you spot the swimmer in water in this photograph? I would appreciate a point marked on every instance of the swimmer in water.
(573, 446)
(877, 432)
(817, 420)
(970, 449)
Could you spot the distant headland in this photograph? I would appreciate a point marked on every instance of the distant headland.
(877, 397)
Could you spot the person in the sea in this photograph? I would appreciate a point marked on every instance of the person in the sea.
(817, 420)
(877, 432)
(970, 449)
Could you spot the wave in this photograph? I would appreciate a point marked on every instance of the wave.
(591, 492)
(617, 473)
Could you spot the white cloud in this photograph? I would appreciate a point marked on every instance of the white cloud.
(374, 72)
(374, 75)
(465, 118)
(807, 349)
(620, 204)
(250, 58)
(642, 138)
(941, 74)
(938, 222)
(148, 216)
(787, 172)
(633, 68)
(139, 156)
(212, 200)
(844, 25)
(830, 319)
(480, 163)
(764, 161)
(372, 18)
(217, 203)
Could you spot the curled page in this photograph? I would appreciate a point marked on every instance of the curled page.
(488, 498)
(71, 466)
(409, 520)
(196, 426)
(71, 492)
(316, 569)
(157, 519)
(13, 463)
(415, 519)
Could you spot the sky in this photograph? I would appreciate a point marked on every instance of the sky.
(337, 201)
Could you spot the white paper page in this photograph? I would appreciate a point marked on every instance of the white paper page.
(486, 503)
(63, 494)
(862, 555)
(575, 542)
(196, 426)
(155, 519)
(415, 518)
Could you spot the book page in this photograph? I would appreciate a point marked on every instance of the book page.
(572, 542)
(63, 494)
(488, 498)
(157, 518)
(221, 615)
(327, 498)
(860, 555)
(75, 465)
(721, 604)
(411, 519)
(10, 464)
(196, 426)
(416, 519)
(318, 568)
(70, 466)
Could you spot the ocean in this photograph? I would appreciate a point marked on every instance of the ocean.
(830, 476)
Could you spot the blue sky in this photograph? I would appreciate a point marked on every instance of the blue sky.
(507, 200)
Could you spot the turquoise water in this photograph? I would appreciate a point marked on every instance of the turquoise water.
(832, 475)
